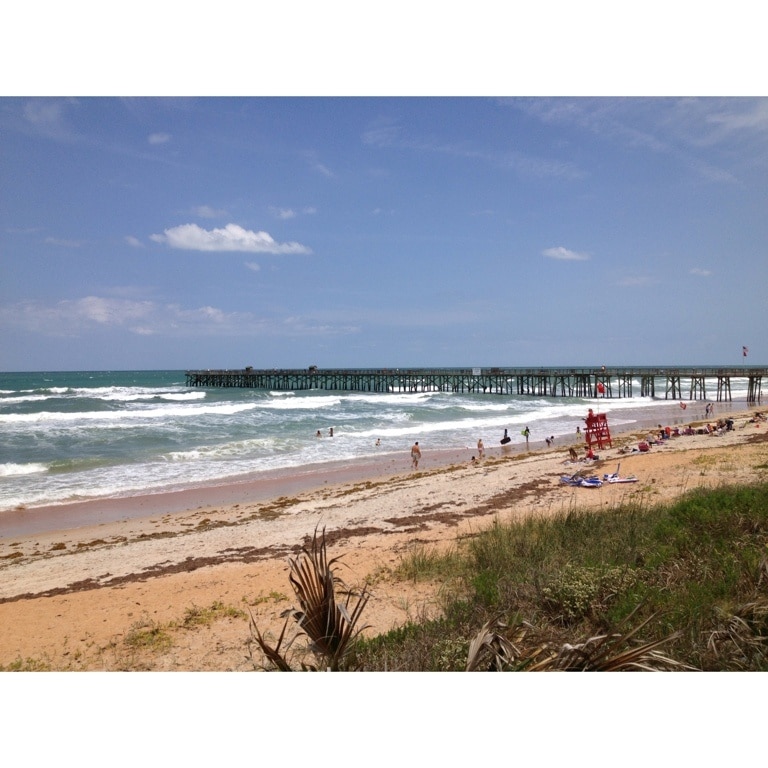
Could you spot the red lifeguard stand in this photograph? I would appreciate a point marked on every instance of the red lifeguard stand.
(597, 430)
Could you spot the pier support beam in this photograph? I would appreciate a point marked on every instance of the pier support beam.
(754, 388)
(723, 388)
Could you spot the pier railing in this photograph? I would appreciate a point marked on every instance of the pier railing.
(671, 383)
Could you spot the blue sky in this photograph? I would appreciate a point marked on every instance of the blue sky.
(283, 231)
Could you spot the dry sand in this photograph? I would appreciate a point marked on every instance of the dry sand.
(78, 598)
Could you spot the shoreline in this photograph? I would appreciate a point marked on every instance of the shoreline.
(273, 484)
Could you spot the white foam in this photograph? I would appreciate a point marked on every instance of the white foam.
(14, 470)
(191, 411)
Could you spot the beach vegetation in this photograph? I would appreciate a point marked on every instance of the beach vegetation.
(328, 614)
(273, 596)
(674, 586)
(195, 616)
(148, 635)
(28, 664)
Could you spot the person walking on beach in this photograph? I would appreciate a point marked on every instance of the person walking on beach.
(480, 449)
(526, 433)
(415, 455)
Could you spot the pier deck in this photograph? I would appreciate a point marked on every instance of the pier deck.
(671, 383)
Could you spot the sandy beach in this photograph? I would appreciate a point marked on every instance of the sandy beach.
(75, 596)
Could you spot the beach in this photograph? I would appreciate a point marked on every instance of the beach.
(76, 596)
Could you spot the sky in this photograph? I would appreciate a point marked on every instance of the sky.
(143, 230)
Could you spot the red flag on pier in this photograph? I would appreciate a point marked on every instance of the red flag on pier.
(744, 351)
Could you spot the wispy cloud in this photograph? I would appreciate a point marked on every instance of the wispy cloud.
(564, 254)
(209, 212)
(70, 317)
(79, 317)
(63, 242)
(47, 117)
(687, 129)
(291, 213)
(700, 272)
(233, 237)
(385, 133)
(159, 138)
(134, 241)
(282, 213)
(317, 166)
(637, 281)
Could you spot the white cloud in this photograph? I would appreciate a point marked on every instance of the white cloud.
(252, 265)
(233, 237)
(564, 254)
(700, 272)
(159, 138)
(134, 241)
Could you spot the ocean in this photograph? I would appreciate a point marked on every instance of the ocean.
(75, 436)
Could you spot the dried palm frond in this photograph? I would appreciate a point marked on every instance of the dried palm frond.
(742, 632)
(273, 653)
(330, 625)
(602, 653)
(491, 648)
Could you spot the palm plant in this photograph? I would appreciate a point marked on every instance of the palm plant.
(329, 623)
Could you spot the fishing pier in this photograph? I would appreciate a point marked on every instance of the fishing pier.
(669, 383)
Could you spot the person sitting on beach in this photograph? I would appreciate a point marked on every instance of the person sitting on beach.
(572, 453)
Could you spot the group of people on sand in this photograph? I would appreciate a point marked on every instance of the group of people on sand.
(654, 438)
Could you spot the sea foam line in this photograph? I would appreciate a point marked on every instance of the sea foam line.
(138, 414)
(14, 470)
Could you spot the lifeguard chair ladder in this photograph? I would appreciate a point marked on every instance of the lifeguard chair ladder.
(597, 432)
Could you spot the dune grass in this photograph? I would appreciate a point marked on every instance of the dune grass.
(689, 578)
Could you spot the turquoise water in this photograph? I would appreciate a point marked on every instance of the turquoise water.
(69, 436)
